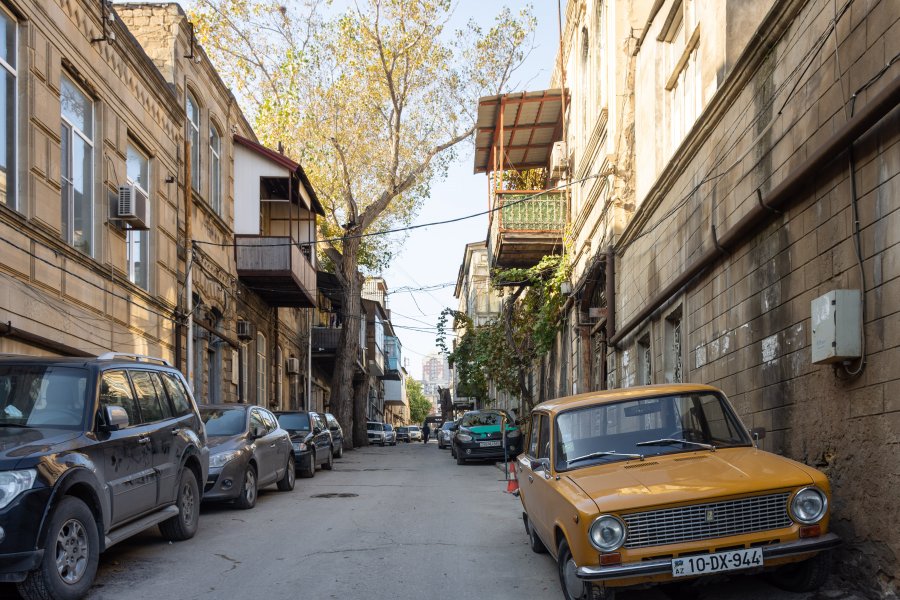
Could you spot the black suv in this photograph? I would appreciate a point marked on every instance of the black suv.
(92, 451)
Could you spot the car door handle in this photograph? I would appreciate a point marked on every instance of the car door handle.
(144, 440)
(272, 445)
(530, 479)
(176, 430)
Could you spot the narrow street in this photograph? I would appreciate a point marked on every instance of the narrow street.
(387, 523)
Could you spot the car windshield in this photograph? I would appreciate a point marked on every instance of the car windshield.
(403, 430)
(43, 396)
(644, 427)
(416, 428)
(447, 425)
(223, 421)
(294, 421)
(374, 427)
(388, 427)
(480, 419)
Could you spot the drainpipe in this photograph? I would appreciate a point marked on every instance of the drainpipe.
(189, 245)
(779, 199)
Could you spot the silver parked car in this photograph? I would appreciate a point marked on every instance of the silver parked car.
(415, 433)
(376, 432)
(390, 434)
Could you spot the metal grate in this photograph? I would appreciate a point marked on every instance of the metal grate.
(705, 521)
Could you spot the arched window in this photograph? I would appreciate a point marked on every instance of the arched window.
(215, 169)
(261, 370)
(192, 108)
(77, 166)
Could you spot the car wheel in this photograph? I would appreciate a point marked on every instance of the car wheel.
(249, 489)
(329, 464)
(184, 525)
(459, 459)
(574, 588)
(310, 470)
(286, 483)
(340, 452)
(452, 451)
(71, 549)
(537, 546)
(805, 576)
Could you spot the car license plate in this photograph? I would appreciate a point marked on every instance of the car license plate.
(717, 562)
(487, 444)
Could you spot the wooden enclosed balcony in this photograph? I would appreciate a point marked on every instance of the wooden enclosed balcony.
(277, 270)
(526, 227)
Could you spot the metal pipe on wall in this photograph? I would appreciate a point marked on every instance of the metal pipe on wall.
(784, 194)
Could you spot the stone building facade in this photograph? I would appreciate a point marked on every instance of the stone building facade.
(103, 97)
(84, 115)
(728, 163)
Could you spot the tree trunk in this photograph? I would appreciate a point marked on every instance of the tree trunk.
(342, 391)
(360, 404)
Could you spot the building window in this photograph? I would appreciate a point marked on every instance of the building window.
(645, 365)
(279, 378)
(137, 170)
(245, 371)
(193, 117)
(77, 166)
(680, 38)
(8, 45)
(260, 369)
(215, 169)
(673, 353)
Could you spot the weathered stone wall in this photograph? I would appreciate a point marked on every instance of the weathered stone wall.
(746, 322)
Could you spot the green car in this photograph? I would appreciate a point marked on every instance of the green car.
(479, 436)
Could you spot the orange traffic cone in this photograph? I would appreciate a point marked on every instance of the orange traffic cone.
(512, 481)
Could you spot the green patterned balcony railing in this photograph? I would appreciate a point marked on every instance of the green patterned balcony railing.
(546, 212)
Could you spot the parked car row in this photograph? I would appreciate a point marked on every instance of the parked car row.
(95, 450)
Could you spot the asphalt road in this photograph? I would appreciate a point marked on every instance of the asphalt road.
(386, 523)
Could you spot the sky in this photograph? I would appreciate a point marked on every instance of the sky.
(433, 255)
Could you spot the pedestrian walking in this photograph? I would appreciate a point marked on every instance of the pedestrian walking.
(426, 431)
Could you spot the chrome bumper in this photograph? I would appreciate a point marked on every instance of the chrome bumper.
(663, 566)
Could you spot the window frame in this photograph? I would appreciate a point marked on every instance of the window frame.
(12, 197)
(193, 128)
(145, 241)
(69, 199)
(215, 170)
(261, 369)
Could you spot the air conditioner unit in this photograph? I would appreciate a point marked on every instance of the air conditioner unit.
(559, 160)
(245, 330)
(293, 366)
(132, 206)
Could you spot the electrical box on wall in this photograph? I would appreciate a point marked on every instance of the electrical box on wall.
(836, 320)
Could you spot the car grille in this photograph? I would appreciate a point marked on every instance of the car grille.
(705, 521)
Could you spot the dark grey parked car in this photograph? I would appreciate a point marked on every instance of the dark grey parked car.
(92, 451)
(247, 451)
(310, 439)
(337, 434)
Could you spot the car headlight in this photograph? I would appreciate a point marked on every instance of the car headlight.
(13, 483)
(299, 446)
(809, 506)
(607, 533)
(464, 437)
(219, 459)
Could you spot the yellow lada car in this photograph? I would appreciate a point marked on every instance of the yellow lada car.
(661, 484)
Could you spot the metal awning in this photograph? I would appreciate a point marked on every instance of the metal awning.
(530, 122)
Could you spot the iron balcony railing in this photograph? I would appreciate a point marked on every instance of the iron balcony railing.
(707, 521)
(528, 211)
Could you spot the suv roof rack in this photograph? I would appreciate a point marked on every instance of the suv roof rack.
(134, 357)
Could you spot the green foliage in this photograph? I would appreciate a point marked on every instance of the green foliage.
(419, 406)
(525, 179)
(503, 350)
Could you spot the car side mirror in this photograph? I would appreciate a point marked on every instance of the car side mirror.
(758, 433)
(317, 430)
(332, 429)
(116, 418)
(540, 464)
(257, 432)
